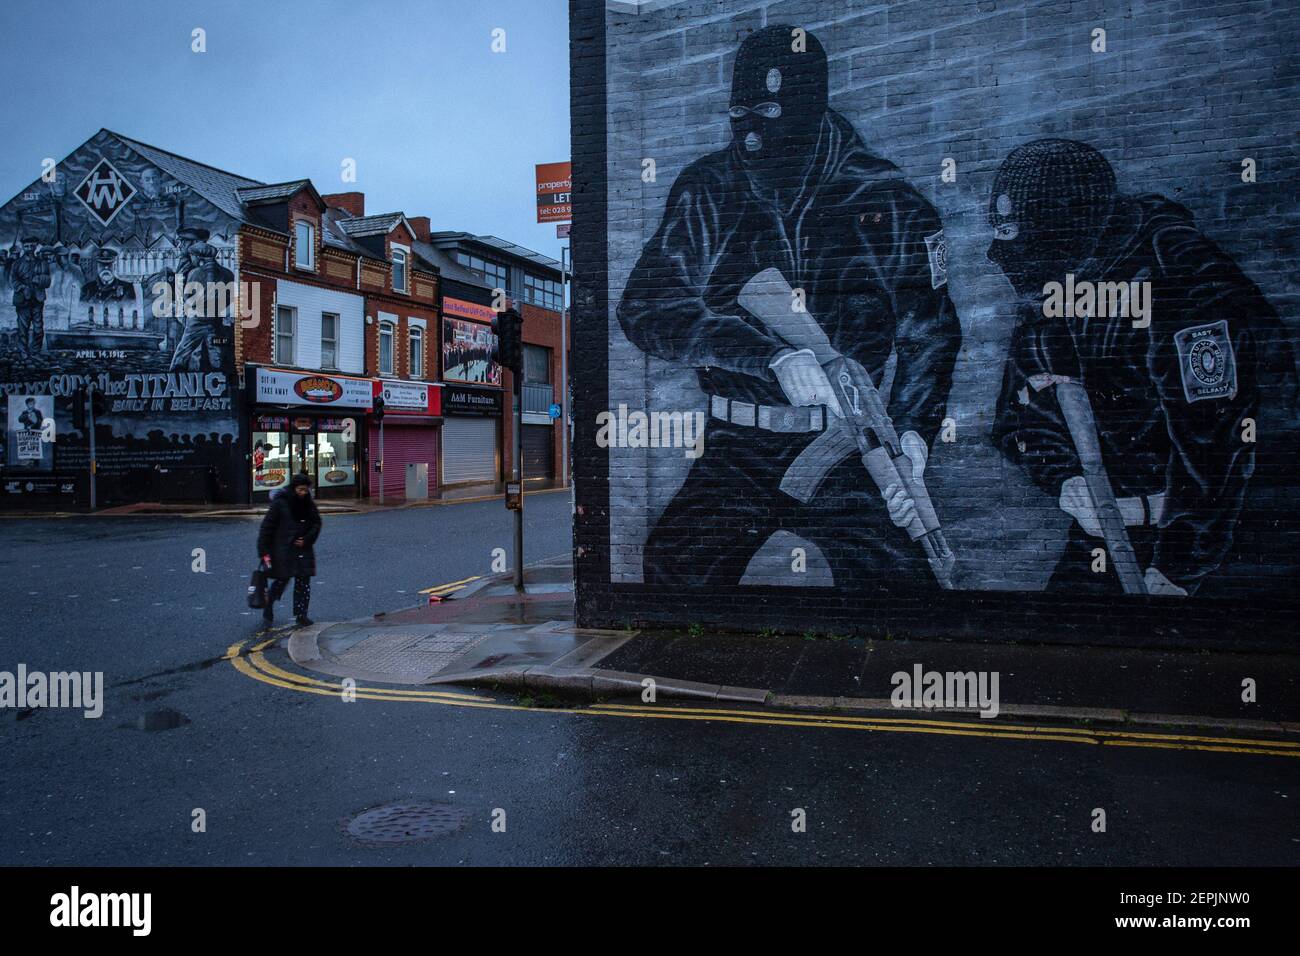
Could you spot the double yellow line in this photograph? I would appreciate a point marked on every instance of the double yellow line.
(253, 663)
(912, 725)
(442, 590)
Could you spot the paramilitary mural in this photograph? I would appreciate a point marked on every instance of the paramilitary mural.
(797, 293)
(97, 256)
(798, 202)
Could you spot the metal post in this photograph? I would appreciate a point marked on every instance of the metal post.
(90, 423)
(380, 469)
(518, 471)
(564, 367)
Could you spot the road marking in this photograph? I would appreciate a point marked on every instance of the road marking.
(257, 653)
(255, 665)
(1028, 728)
(451, 584)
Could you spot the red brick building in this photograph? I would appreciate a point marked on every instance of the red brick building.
(346, 309)
(481, 275)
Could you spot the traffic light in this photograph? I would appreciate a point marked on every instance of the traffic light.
(509, 329)
(379, 407)
(79, 408)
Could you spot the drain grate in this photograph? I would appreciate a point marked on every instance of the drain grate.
(406, 822)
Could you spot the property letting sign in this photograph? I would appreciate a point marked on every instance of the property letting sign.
(554, 192)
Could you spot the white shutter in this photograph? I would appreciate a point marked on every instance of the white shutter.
(469, 450)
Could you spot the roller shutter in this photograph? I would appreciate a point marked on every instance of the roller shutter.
(469, 450)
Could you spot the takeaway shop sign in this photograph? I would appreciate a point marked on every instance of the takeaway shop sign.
(278, 387)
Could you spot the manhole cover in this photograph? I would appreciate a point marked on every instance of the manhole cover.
(406, 822)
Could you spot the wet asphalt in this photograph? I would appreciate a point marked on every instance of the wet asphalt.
(278, 773)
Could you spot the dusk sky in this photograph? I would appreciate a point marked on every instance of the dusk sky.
(438, 124)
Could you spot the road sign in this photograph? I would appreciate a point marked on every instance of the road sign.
(554, 411)
(562, 230)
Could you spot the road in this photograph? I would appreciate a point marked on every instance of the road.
(277, 773)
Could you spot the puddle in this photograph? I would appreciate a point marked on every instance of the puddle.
(165, 719)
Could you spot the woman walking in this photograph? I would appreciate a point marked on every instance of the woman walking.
(285, 545)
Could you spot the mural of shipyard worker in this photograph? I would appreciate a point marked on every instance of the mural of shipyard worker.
(30, 278)
(1159, 475)
(199, 348)
(796, 195)
(64, 296)
(187, 238)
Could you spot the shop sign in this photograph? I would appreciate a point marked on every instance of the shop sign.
(278, 387)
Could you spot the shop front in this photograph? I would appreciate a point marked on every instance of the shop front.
(407, 443)
(308, 423)
(471, 434)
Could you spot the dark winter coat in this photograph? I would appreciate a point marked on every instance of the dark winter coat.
(277, 534)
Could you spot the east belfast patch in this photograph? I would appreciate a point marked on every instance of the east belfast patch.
(937, 247)
(1205, 359)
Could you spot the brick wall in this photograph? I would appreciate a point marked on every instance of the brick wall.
(1182, 94)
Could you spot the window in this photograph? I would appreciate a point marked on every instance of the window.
(285, 321)
(416, 342)
(497, 276)
(385, 348)
(399, 269)
(329, 340)
(543, 292)
(304, 245)
(537, 364)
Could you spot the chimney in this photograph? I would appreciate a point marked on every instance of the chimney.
(354, 203)
(421, 226)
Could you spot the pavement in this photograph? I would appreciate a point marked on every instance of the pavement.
(481, 632)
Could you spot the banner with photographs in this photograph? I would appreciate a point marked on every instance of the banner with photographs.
(469, 353)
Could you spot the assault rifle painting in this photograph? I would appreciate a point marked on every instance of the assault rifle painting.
(1138, 423)
(1109, 407)
(797, 197)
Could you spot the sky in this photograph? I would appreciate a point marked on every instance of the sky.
(438, 123)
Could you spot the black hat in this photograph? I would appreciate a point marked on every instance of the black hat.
(1055, 186)
(32, 239)
(106, 257)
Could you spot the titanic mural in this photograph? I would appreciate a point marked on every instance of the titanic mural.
(1070, 397)
(93, 255)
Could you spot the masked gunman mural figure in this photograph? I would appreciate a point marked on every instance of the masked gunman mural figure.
(1133, 370)
(786, 270)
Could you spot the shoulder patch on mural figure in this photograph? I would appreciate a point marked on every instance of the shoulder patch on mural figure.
(1206, 361)
(937, 248)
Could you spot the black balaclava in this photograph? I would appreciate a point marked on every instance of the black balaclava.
(778, 99)
(1053, 197)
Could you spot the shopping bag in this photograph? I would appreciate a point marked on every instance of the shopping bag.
(257, 587)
